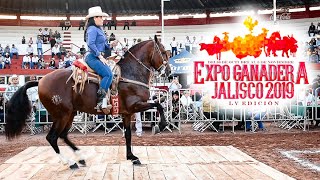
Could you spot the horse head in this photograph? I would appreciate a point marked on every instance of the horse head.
(159, 58)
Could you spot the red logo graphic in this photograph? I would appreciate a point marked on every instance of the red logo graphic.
(251, 45)
(115, 105)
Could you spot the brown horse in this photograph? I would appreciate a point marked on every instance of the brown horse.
(62, 102)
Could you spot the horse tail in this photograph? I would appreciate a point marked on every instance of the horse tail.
(18, 110)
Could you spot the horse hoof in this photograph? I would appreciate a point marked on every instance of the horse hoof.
(74, 166)
(82, 162)
(136, 162)
(155, 130)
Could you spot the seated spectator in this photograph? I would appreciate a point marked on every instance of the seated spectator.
(14, 51)
(26, 61)
(34, 62)
(30, 50)
(61, 64)
(40, 33)
(175, 85)
(30, 41)
(63, 50)
(72, 58)
(67, 24)
(6, 50)
(58, 41)
(314, 56)
(55, 51)
(23, 41)
(52, 64)
(56, 34)
(186, 99)
(82, 23)
(45, 35)
(133, 23)
(318, 41)
(1, 50)
(1, 61)
(126, 24)
(67, 60)
(256, 115)
(7, 60)
(210, 110)
(41, 64)
(83, 50)
(312, 29)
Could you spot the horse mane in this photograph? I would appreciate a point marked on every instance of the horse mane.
(133, 48)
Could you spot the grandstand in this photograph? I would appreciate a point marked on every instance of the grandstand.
(12, 35)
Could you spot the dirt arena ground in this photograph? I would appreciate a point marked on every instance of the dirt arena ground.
(264, 146)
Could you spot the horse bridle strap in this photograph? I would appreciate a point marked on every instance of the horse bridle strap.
(134, 82)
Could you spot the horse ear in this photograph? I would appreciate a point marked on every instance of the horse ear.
(156, 39)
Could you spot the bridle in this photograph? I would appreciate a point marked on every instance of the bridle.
(160, 69)
(156, 47)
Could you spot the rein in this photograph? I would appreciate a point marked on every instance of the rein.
(163, 65)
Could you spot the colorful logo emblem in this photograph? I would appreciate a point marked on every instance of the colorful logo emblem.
(251, 45)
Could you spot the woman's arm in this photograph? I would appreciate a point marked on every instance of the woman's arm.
(91, 41)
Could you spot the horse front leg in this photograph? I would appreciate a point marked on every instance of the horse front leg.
(143, 106)
(127, 135)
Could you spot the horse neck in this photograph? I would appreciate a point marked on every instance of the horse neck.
(132, 69)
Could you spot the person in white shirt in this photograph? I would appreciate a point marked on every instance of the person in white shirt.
(175, 85)
(34, 61)
(55, 51)
(308, 99)
(25, 61)
(33, 91)
(187, 44)
(46, 35)
(195, 45)
(30, 50)
(61, 64)
(186, 99)
(174, 45)
(72, 58)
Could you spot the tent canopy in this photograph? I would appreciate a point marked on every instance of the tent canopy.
(182, 63)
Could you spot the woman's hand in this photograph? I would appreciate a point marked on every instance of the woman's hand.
(114, 43)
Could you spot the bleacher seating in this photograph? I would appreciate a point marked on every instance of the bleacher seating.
(13, 35)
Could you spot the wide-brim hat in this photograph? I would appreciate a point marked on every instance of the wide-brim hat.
(96, 11)
(12, 77)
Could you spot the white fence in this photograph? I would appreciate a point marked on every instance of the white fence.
(295, 114)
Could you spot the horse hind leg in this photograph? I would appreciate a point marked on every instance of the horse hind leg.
(52, 138)
(76, 150)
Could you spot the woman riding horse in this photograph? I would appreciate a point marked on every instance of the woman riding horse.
(97, 43)
(57, 95)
